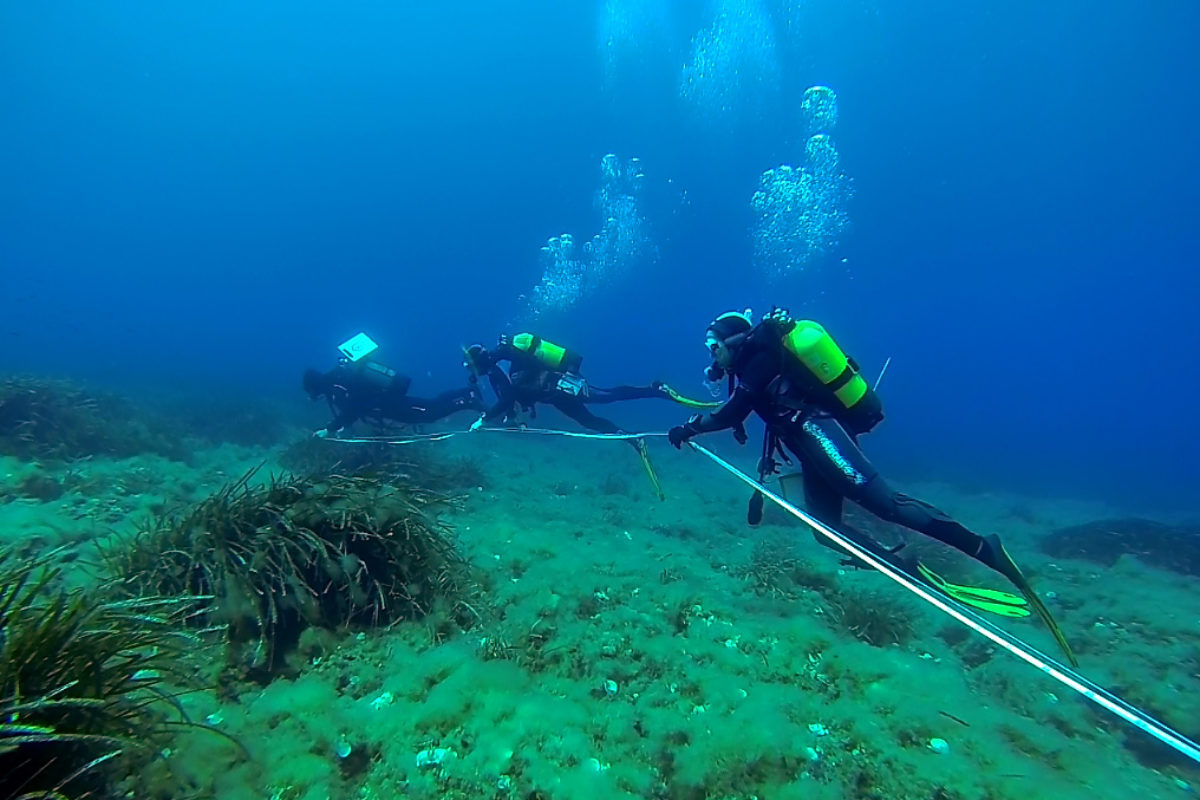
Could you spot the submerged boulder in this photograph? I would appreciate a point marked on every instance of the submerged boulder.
(1173, 547)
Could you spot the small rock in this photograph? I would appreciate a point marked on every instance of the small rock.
(431, 757)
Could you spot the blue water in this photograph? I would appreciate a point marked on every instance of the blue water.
(214, 195)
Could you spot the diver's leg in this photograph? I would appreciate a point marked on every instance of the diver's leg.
(574, 408)
(828, 448)
(617, 394)
(421, 410)
(830, 451)
(823, 499)
(824, 502)
(412, 411)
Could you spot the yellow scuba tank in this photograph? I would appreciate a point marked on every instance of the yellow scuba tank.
(548, 354)
(815, 348)
(856, 403)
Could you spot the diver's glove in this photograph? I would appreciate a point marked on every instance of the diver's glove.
(320, 433)
(477, 424)
(681, 433)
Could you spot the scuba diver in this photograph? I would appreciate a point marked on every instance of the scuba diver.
(543, 372)
(815, 404)
(361, 388)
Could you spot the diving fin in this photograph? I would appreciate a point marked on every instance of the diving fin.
(994, 601)
(993, 554)
(754, 512)
(644, 454)
(686, 401)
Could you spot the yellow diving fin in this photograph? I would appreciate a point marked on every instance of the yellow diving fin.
(1004, 603)
(644, 454)
(687, 401)
(994, 601)
(1005, 565)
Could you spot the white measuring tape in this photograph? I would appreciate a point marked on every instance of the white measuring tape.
(437, 437)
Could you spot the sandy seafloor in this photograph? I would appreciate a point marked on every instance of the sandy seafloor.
(629, 651)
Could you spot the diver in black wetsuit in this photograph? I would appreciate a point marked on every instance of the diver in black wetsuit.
(543, 372)
(368, 390)
(815, 404)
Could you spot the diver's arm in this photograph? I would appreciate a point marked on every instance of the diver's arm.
(752, 382)
(506, 396)
(730, 415)
(500, 382)
(506, 400)
(347, 413)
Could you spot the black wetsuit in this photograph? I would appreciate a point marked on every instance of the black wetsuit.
(528, 382)
(823, 438)
(371, 391)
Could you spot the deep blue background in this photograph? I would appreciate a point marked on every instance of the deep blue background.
(212, 196)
